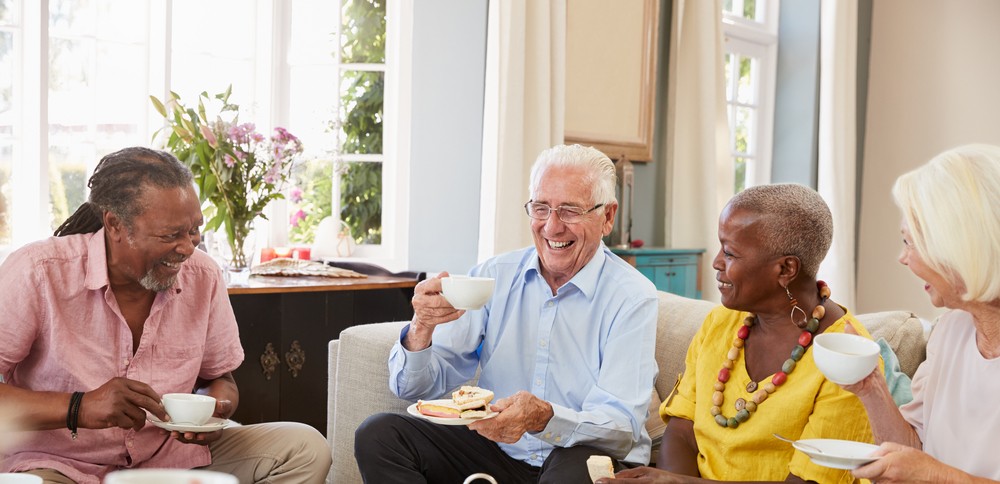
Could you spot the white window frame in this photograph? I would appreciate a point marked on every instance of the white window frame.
(757, 39)
(29, 203)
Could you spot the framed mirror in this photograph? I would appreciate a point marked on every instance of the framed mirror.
(611, 76)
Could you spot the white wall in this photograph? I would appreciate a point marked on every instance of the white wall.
(449, 71)
(934, 83)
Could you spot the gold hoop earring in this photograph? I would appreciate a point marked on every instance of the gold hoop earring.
(794, 303)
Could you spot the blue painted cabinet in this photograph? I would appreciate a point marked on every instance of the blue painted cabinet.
(675, 271)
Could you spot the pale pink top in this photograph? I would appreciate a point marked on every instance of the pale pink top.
(61, 330)
(955, 394)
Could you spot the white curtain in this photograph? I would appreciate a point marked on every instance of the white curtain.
(699, 173)
(523, 114)
(838, 140)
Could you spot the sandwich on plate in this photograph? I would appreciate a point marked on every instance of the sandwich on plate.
(466, 402)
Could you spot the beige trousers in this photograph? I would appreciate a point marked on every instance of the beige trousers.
(279, 452)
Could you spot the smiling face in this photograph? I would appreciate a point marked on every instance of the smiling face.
(564, 249)
(943, 293)
(747, 276)
(161, 239)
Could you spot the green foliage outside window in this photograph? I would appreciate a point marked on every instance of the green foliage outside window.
(361, 100)
(66, 190)
(359, 122)
(312, 194)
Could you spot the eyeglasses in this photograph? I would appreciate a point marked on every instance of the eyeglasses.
(569, 215)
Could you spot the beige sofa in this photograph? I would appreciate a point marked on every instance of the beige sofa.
(359, 379)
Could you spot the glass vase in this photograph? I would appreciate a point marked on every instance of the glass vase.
(235, 256)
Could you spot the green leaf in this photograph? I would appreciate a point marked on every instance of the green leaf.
(215, 222)
(159, 106)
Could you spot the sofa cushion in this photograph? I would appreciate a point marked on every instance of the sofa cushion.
(903, 331)
(679, 319)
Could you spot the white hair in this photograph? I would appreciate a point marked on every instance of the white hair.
(601, 170)
(952, 207)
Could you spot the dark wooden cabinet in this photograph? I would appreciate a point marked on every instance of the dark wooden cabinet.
(285, 327)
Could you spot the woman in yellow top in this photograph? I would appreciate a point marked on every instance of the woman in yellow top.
(749, 372)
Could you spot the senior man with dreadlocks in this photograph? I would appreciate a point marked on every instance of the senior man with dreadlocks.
(116, 310)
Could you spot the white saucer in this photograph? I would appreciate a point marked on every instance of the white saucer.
(212, 425)
(160, 476)
(412, 410)
(838, 454)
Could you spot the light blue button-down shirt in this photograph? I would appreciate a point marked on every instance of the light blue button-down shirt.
(588, 351)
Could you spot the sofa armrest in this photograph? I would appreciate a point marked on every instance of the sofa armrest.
(358, 388)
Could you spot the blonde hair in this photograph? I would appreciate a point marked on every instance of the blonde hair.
(952, 207)
(794, 220)
(600, 169)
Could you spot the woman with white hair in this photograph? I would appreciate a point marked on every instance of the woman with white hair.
(951, 240)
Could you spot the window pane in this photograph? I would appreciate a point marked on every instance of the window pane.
(312, 106)
(741, 173)
(361, 111)
(727, 6)
(6, 160)
(67, 179)
(97, 91)
(309, 199)
(729, 77)
(746, 89)
(750, 9)
(71, 17)
(6, 83)
(361, 200)
(744, 130)
(209, 55)
(122, 101)
(7, 12)
(363, 41)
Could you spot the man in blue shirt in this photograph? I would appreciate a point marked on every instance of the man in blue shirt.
(567, 341)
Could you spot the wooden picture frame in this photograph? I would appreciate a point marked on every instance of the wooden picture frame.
(611, 50)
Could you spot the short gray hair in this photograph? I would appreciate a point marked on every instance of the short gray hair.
(794, 220)
(952, 207)
(600, 168)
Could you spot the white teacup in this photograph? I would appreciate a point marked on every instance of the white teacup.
(168, 476)
(189, 408)
(844, 358)
(477, 476)
(15, 478)
(464, 292)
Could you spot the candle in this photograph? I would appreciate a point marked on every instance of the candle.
(282, 252)
(266, 254)
(303, 253)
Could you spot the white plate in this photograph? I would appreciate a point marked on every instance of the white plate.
(412, 410)
(838, 454)
(212, 425)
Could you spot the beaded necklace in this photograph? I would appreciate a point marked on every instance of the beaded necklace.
(759, 393)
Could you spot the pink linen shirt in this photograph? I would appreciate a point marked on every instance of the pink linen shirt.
(62, 331)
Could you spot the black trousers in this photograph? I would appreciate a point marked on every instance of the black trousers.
(392, 448)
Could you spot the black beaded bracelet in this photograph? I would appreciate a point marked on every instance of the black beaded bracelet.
(73, 414)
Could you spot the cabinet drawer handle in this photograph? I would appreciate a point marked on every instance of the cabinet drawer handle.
(295, 358)
(269, 361)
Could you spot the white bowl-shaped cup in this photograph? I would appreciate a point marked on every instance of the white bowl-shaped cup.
(464, 292)
(844, 358)
(189, 408)
(168, 476)
(15, 478)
